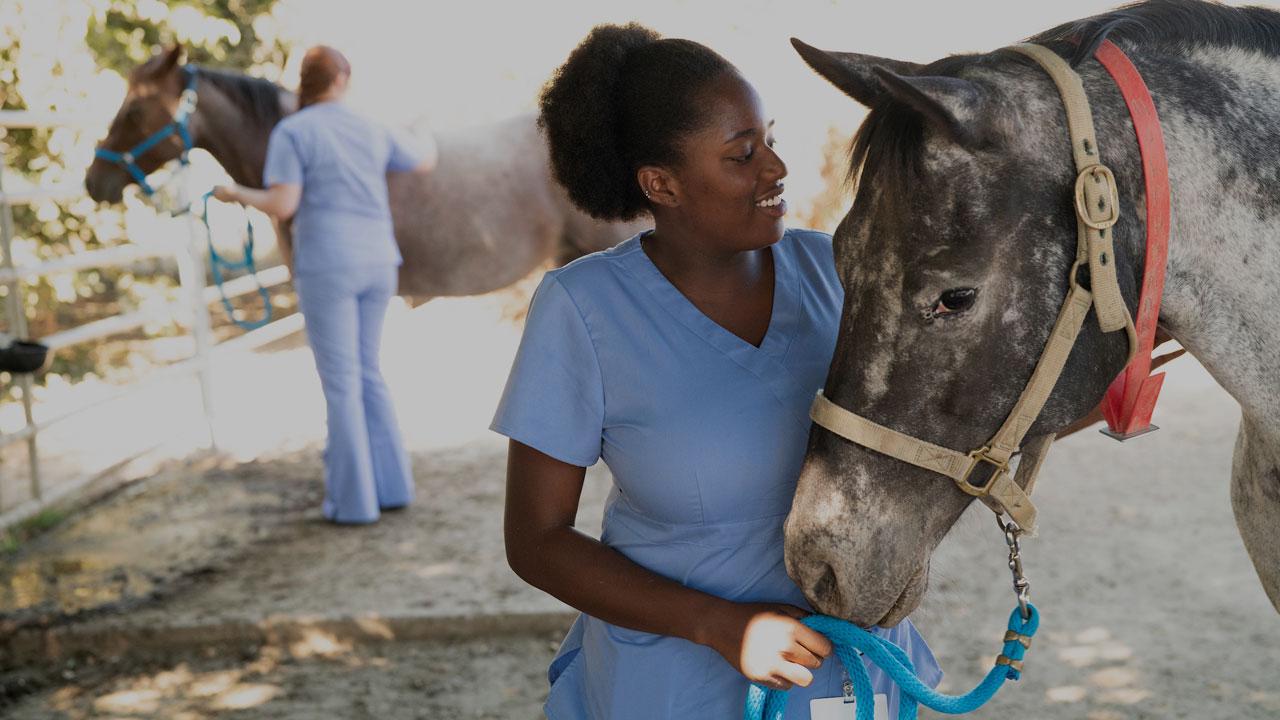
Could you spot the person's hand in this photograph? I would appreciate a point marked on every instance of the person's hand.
(226, 193)
(768, 644)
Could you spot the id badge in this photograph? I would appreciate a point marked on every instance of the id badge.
(838, 708)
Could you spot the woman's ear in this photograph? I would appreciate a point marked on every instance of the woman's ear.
(659, 185)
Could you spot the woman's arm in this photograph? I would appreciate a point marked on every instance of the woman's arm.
(279, 201)
(766, 642)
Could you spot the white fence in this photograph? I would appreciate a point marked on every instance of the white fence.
(188, 252)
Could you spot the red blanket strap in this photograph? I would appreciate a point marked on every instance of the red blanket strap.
(1132, 395)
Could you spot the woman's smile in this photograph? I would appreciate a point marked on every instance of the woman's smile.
(773, 204)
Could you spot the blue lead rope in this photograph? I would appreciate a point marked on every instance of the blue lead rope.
(849, 639)
(217, 264)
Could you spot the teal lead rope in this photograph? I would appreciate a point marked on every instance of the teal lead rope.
(217, 264)
(849, 639)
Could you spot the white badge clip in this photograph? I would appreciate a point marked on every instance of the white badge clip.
(836, 708)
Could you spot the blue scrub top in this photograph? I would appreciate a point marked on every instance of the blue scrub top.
(704, 434)
(341, 160)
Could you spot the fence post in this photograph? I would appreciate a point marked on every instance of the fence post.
(15, 307)
(191, 275)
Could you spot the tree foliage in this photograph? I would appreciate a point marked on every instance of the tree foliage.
(69, 57)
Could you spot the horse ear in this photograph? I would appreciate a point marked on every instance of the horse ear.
(170, 59)
(159, 66)
(953, 104)
(854, 74)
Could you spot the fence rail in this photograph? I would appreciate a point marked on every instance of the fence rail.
(195, 295)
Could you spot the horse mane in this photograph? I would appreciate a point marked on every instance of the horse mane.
(892, 133)
(258, 98)
(1180, 22)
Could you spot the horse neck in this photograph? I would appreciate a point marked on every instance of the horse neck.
(1223, 271)
(236, 141)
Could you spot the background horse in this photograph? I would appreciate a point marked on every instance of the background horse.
(488, 215)
(964, 177)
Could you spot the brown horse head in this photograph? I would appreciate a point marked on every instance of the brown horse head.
(954, 258)
(150, 104)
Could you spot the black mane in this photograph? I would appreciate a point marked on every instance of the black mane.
(892, 132)
(1180, 22)
(260, 99)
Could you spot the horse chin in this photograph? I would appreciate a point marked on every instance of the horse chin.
(831, 600)
(104, 189)
(908, 600)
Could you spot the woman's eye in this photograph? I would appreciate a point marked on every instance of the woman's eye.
(951, 302)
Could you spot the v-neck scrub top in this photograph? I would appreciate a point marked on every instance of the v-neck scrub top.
(704, 434)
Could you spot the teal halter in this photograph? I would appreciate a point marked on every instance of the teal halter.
(179, 126)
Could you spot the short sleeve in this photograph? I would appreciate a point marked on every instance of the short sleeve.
(284, 165)
(405, 154)
(554, 398)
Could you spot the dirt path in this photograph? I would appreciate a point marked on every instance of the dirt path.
(1151, 609)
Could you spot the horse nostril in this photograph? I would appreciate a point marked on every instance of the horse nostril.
(826, 582)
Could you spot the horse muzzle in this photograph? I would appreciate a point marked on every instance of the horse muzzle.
(105, 183)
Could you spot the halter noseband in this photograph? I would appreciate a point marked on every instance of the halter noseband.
(179, 125)
(1096, 200)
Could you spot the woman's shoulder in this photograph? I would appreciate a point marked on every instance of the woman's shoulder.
(812, 255)
(595, 273)
(808, 241)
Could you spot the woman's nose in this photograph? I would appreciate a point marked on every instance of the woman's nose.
(776, 168)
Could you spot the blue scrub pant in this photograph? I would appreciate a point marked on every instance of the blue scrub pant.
(366, 468)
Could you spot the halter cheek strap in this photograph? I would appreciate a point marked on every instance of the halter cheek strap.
(1096, 200)
(179, 126)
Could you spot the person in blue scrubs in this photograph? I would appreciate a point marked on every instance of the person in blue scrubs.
(326, 168)
(686, 359)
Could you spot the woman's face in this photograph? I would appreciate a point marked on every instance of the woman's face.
(729, 182)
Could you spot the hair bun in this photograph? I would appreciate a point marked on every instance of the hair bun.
(580, 116)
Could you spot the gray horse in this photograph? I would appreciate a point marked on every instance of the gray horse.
(488, 215)
(964, 177)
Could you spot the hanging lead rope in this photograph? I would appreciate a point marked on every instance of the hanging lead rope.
(849, 639)
(851, 642)
(217, 263)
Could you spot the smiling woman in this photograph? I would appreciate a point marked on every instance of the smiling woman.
(685, 358)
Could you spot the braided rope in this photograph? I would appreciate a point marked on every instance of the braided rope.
(849, 639)
(217, 263)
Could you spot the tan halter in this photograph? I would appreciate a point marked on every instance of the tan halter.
(1097, 209)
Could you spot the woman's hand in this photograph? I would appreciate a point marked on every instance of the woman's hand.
(768, 644)
(226, 193)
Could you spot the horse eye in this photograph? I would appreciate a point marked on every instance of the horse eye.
(958, 299)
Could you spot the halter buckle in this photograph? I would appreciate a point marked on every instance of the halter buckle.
(980, 456)
(1097, 197)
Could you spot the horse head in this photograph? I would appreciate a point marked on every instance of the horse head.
(955, 258)
(151, 103)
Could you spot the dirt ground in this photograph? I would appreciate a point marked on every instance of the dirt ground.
(1150, 606)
